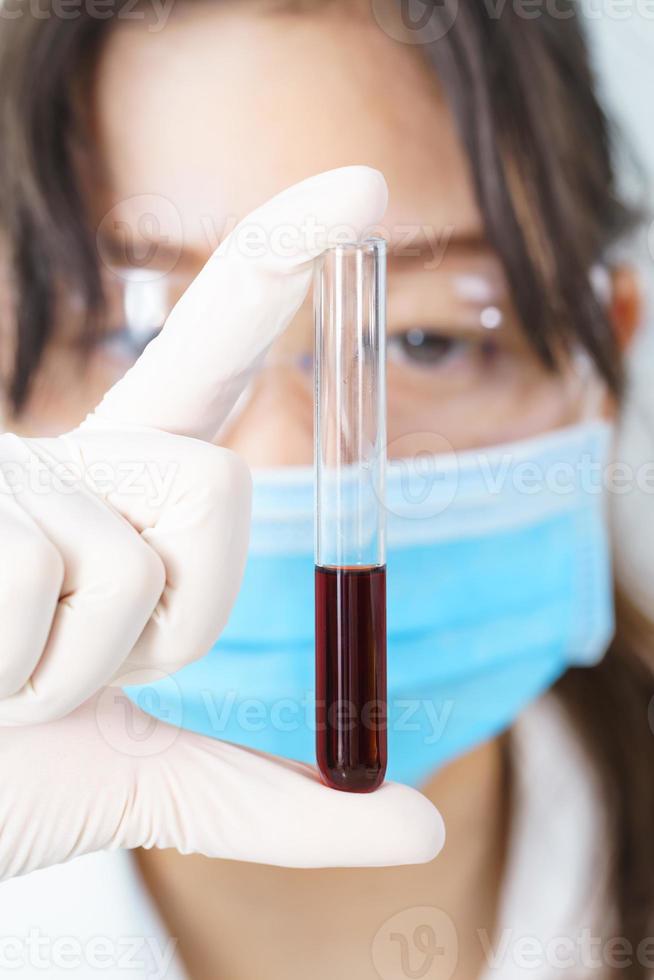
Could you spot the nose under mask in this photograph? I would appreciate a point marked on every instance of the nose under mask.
(498, 577)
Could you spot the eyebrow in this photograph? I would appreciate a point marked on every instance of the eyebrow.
(164, 253)
(415, 244)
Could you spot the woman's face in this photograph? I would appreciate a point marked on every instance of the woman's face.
(199, 122)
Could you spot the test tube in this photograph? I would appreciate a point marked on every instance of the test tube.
(350, 462)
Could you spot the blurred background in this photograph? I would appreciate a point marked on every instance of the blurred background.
(623, 46)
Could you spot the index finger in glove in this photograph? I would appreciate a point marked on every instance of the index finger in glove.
(190, 376)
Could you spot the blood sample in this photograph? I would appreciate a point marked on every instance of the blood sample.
(350, 458)
(351, 676)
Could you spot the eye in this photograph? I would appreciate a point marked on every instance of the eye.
(426, 347)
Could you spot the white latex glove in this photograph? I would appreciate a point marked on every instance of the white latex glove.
(100, 580)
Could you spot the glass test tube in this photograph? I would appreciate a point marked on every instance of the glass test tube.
(350, 462)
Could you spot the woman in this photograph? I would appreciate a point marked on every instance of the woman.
(503, 213)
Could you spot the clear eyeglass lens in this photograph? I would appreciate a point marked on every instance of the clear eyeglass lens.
(138, 302)
(460, 372)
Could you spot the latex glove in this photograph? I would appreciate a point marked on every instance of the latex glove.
(101, 580)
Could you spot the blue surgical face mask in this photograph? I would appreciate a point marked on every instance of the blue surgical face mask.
(498, 580)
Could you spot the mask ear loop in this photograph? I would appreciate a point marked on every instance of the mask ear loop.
(593, 390)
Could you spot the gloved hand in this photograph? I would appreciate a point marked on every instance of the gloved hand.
(123, 546)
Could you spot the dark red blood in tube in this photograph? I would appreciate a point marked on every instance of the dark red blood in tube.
(351, 711)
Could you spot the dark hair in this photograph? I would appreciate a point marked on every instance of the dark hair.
(538, 144)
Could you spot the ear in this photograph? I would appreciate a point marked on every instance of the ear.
(625, 304)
